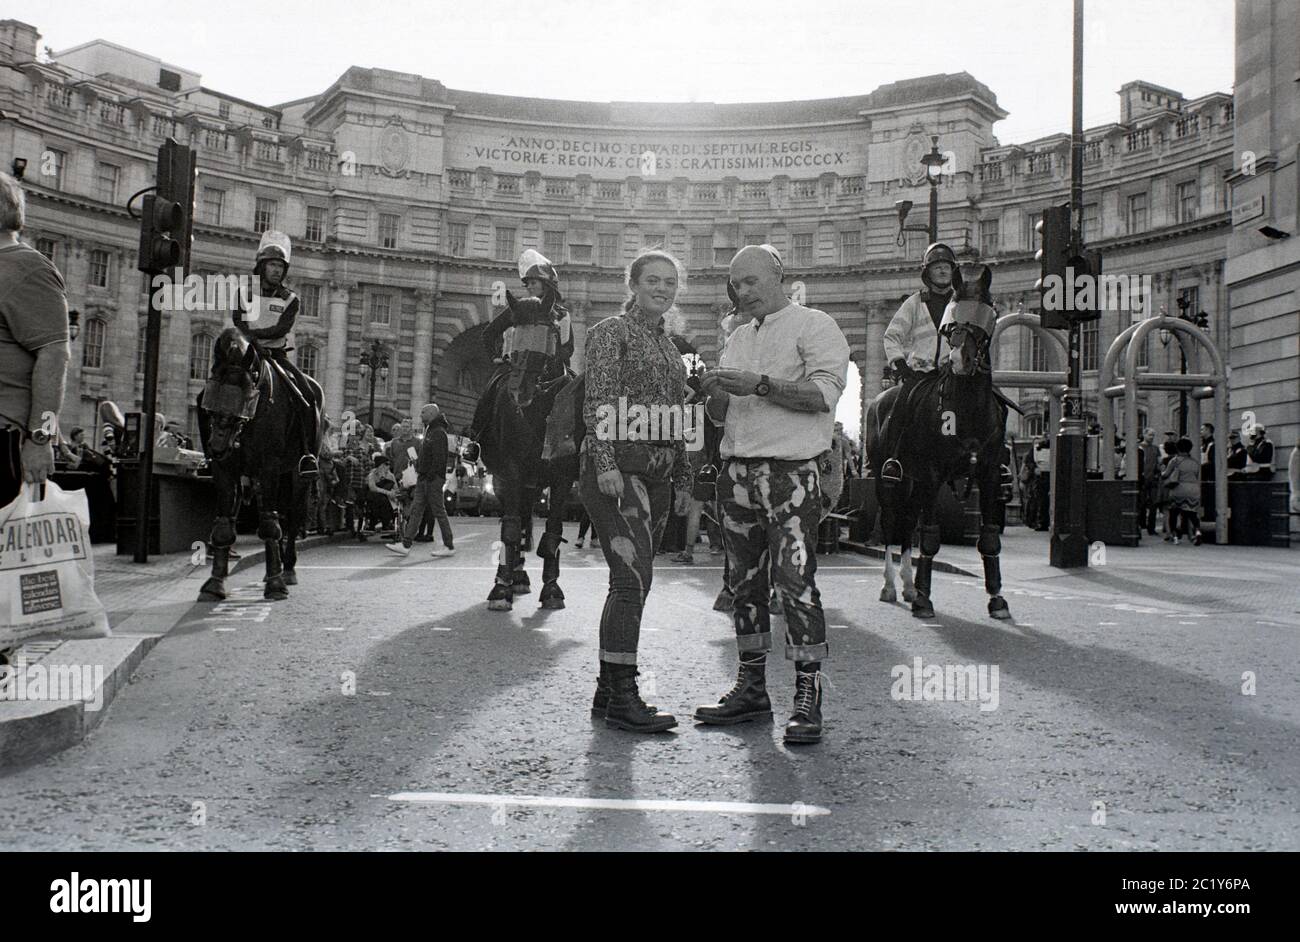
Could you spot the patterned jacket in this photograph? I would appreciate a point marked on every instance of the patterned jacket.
(628, 361)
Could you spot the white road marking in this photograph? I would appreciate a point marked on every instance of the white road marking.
(380, 693)
(926, 624)
(440, 628)
(332, 629)
(609, 804)
(1104, 623)
(839, 626)
(225, 629)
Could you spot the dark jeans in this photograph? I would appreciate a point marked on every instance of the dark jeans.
(629, 529)
(428, 499)
(770, 514)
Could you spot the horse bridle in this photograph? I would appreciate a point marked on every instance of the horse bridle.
(983, 358)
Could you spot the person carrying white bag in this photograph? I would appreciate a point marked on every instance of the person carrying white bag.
(47, 569)
(39, 593)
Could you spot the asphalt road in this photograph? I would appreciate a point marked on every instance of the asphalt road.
(1120, 722)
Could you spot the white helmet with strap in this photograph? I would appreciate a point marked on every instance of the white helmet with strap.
(274, 245)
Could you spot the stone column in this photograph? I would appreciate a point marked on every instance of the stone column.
(425, 307)
(877, 314)
(336, 349)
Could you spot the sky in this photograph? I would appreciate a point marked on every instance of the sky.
(677, 50)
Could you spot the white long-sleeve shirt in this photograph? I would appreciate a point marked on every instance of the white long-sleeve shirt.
(793, 344)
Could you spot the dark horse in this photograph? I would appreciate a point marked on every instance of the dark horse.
(249, 428)
(510, 432)
(954, 422)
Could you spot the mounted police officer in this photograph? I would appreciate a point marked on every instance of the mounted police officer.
(539, 277)
(913, 343)
(266, 317)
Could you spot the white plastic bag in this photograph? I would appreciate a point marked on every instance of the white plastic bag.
(47, 569)
(409, 477)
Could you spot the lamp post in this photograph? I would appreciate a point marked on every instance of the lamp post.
(374, 364)
(1199, 319)
(933, 163)
(74, 324)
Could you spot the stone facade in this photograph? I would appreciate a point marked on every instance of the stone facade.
(409, 202)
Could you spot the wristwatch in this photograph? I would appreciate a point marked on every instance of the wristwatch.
(39, 436)
(764, 386)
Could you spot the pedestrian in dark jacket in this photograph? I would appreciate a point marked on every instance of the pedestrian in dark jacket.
(431, 472)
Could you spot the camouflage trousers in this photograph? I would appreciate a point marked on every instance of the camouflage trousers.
(770, 514)
(629, 528)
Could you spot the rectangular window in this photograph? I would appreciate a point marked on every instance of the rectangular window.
(1091, 222)
(264, 215)
(54, 161)
(1038, 361)
(310, 295)
(652, 240)
(1032, 238)
(106, 176)
(214, 202)
(702, 251)
(268, 121)
(457, 236)
(48, 248)
(223, 109)
(380, 309)
(850, 247)
(307, 359)
(388, 223)
(99, 268)
(505, 247)
(607, 251)
(580, 254)
(315, 231)
(1090, 343)
(990, 237)
(553, 245)
(92, 339)
(200, 354)
(1137, 212)
(1187, 198)
(801, 253)
(169, 81)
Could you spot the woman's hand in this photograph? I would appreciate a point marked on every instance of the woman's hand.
(610, 483)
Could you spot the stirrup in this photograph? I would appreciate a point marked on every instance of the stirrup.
(307, 468)
(891, 472)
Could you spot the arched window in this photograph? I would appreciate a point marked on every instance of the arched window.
(92, 340)
(307, 358)
(200, 355)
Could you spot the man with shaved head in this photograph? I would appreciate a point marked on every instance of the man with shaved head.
(774, 392)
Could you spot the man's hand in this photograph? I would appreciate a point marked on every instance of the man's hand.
(682, 504)
(610, 483)
(735, 382)
(901, 369)
(37, 461)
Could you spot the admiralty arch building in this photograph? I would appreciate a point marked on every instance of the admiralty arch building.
(408, 204)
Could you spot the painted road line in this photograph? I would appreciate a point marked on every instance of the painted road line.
(225, 629)
(1107, 623)
(609, 804)
(332, 629)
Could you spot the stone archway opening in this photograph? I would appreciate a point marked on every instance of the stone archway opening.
(463, 374)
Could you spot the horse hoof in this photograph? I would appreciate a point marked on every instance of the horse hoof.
(888, 594)
(922, 609)
(725, 602)
(275, 593)
(290, 577)
(998, 608)
(500, 605)
(206, 595)
(555, 602)
(909, 595)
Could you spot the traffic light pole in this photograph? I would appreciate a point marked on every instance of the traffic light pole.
(1069, 542)
(175, 184)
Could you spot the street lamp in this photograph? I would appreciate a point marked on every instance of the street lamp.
(74, 324)
(1199, 319)
(374, 364)
(933, 163)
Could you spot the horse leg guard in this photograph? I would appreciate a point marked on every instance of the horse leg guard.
(552, 595)
(275, 590)
(501, 598)
(990, 545)
(549, 545)
(930, 542)
(725, 601)
(268, 528)
(921, 607)
(222, 538)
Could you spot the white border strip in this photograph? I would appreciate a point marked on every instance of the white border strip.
(608, 804)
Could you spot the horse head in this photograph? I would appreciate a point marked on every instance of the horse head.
(968, 321)
(534, 346)
(231, 394)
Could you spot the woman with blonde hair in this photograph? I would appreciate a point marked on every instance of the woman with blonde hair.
(628, 478)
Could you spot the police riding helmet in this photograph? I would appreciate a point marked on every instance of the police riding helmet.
(938, 252)
(533, 264)
(274, 245)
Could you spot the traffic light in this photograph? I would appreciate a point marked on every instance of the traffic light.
(167, 217)
(163, 220)
(1052, 258)
(1086, 301)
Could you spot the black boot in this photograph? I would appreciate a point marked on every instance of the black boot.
(625, 708)
(601, 700)
(806, 723)
(747, 700)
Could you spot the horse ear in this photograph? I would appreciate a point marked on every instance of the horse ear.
(986, 283)
(249, 358)
(956, 282)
